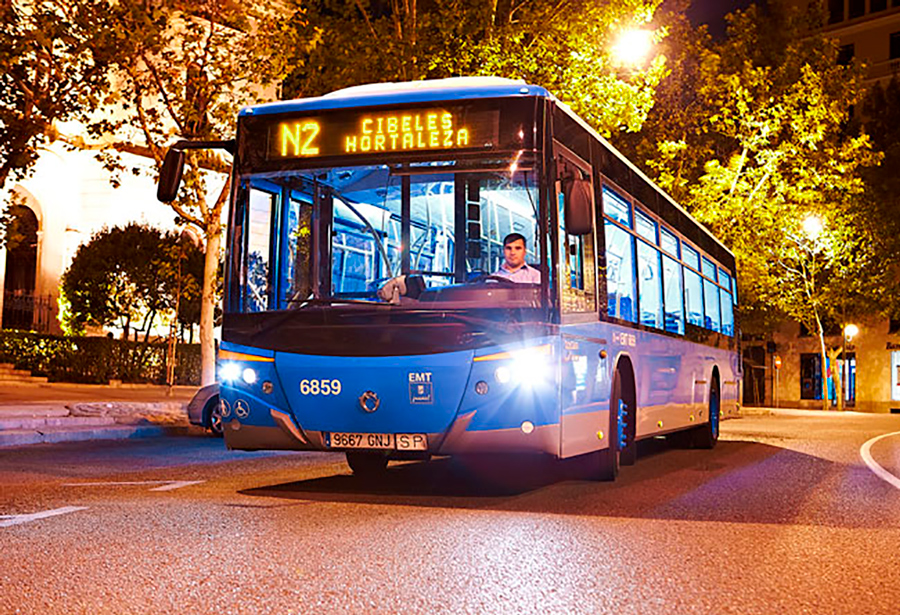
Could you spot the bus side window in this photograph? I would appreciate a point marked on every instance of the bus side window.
(259, 241)
(726, 303)
(711, 297)
(693, 286)
(620, 278)
(649, 277)
(577, 267)
(296, 269)
(673, 300)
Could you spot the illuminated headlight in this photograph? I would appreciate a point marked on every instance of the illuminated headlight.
(531, 366)
(230, 371)
(528, 367)
(249, 375)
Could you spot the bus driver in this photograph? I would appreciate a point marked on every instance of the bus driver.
(514, 267)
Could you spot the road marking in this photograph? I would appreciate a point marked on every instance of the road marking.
(10, 520)
(165, 485)
(866, 454)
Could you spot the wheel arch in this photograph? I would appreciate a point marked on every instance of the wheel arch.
(208, 409)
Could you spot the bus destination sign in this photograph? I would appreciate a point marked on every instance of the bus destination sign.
(411, 130)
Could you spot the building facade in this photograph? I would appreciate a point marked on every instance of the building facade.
(867, 30)
(67, 199)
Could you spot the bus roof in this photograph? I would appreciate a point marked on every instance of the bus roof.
(453, 88)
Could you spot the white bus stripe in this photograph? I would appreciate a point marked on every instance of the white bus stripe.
(866, 454)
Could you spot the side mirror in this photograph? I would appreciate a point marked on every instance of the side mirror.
(579, 201)
(170, 175)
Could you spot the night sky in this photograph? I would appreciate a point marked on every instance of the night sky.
(712, 13)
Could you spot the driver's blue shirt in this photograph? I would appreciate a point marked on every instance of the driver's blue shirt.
(526, 274)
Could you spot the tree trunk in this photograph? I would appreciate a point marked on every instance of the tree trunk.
(208, 303)
(824, 354)
(836, 375)
(210, 278)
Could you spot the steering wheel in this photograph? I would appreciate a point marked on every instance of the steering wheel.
(491, 277)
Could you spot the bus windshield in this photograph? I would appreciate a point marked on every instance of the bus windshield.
(341, 234)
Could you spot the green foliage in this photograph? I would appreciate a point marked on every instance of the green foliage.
(48, 72)
(754, 142)
(130, 275)
(564, 46)
(96, 360)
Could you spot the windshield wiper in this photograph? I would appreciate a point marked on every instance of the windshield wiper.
(330, 301)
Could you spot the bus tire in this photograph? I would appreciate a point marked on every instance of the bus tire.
(213, 413)
(367, 464)
(707, 435)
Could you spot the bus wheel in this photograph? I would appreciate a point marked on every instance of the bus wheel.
(707, 435)
(213, 411)
(367, 464)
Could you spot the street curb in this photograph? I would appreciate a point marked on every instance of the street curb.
(25, 437)
(801, 412)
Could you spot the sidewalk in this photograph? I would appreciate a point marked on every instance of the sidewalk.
(751, 411)
(63, 412)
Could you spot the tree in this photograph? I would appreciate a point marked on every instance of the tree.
(564, 46)
(48, 72)
(125, 276)
(184, 68)
(774, 151)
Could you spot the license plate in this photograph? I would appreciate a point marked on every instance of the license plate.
(388, 441)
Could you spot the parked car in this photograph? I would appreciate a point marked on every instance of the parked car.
(203, 410)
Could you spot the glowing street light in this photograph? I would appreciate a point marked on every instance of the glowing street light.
(851, 331)
(812, 226)
(633, 46)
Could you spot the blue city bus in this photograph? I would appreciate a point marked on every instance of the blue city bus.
(412, 188)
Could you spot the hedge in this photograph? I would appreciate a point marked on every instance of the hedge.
(97, 360)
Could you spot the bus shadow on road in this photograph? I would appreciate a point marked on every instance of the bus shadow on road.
(744, 482)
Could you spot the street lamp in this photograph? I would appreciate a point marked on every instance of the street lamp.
(632, 46)
(850, 331)
(812, 226)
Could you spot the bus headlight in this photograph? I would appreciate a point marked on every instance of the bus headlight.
(528, 366)
(531, 366)
(249, 375)
(230, 371)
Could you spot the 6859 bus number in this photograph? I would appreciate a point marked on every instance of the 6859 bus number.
(315, 386)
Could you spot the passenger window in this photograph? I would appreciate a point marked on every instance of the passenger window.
(296, 271)
(616, 207)
(693, 296)
(669, 242)
(727, 312)
(258, 250)
(691, 257)
(709, 269)
(711, 303)
(620, 282)
(645, 227)
(674, 299)
(649, 285)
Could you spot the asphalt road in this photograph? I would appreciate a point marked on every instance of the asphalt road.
(782, 517)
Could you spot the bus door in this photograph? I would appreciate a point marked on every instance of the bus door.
(584, 380)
